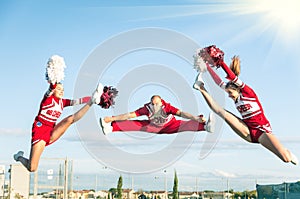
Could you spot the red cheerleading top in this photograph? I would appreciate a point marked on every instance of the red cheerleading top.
(50, 109)
(161, 117)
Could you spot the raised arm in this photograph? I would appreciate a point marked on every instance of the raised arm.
(214, 57)
(216, 77)
(50, 90)
(187, 115)
(122, 117)
(82, 100)
(231, 76)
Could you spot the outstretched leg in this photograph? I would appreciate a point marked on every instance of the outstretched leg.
(177, 126)
(37, 148)
(36, 151)
(270, 142)
(237, 125)
(130, 125)
(63, 125)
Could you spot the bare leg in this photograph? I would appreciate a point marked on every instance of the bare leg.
(237, 125)
(63, 125)
(270, 142)
(267, 140)
(36, 151)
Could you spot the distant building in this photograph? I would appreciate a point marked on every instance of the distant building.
(5, 189)
(275, 191)
(128, 194)
(102, 194)
(83, 194)
(216, 195)
(156, 194)
(19, 181)
(2, 181)
(188, 195)
(205, 195)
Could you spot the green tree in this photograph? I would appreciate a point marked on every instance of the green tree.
(113, 192)
(237, 194)
(119, 187)
(208, 191)
(175, 187)
(252, 194)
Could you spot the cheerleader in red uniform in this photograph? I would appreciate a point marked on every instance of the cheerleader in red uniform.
(160, 120)
(253, 127)
(45, 131)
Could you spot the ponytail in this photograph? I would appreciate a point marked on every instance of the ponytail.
(235, 65)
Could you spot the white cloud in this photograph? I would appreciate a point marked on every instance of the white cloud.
(12, 131)
(221, 173)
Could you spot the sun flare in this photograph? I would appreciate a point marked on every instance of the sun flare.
(284, 11)
(283, 14)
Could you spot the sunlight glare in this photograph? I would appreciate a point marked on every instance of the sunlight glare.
(284, 13)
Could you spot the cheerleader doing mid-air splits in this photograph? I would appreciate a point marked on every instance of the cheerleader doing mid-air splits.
(160, 120)
(253, 126)
(45, 131)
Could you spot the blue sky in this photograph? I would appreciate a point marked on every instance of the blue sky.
(265, 38)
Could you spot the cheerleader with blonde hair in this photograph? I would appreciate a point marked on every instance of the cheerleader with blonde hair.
(253, 126)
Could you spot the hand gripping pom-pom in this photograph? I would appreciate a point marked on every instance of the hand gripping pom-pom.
(108, 97)
(212, 55)
(55, 69)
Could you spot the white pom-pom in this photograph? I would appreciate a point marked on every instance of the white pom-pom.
(199, 63)
(55, 69)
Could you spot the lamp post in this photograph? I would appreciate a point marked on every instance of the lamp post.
(103, 176)
(165, 172)
(227, 188)
(96, 183)
(196, 188)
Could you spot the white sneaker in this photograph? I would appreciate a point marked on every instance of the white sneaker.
(210, 125)
(18, 155)
(97, 94)
(198, 82)
(106, 126)
(294, 159)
